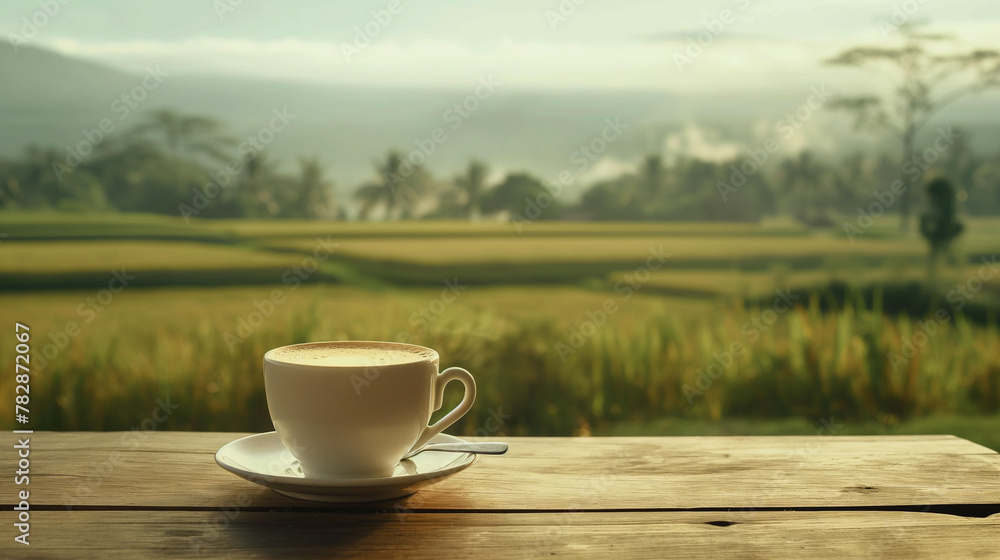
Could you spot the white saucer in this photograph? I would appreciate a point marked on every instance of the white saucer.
(262, 459)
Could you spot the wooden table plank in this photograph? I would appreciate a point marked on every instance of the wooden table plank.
(247, 535)
(177, 470)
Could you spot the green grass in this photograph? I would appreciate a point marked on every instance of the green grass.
(283, 229)
(760, 283)
(41, 257)
(595, 248)
(75, 251)
(641, 365)
(57, 225)
(30, 265)
(525, 304)
(984, 430)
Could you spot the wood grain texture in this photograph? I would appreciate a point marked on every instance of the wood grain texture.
(177, 470)
(250, 535)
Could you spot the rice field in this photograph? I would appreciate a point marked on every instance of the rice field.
(758, 283)
(45, 257)
(649, 360)
(562, 328)
(689, 248)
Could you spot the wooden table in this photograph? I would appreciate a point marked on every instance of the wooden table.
(161, 495)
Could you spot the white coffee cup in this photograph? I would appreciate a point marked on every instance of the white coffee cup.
(353, 409)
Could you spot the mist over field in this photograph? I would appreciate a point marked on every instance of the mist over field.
(676, 78)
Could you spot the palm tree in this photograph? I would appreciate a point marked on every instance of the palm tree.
(398, 189)
(473, 184)
(256, 183)
(313, 191)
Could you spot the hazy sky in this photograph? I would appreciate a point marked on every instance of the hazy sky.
(522, 43)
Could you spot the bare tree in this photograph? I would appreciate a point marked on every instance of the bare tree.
(925, 82)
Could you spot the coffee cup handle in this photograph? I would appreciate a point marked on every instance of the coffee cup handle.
(443, 378)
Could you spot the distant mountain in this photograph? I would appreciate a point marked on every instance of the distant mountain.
(47, 98)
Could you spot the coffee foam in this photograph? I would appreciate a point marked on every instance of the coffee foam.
(351, 354)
